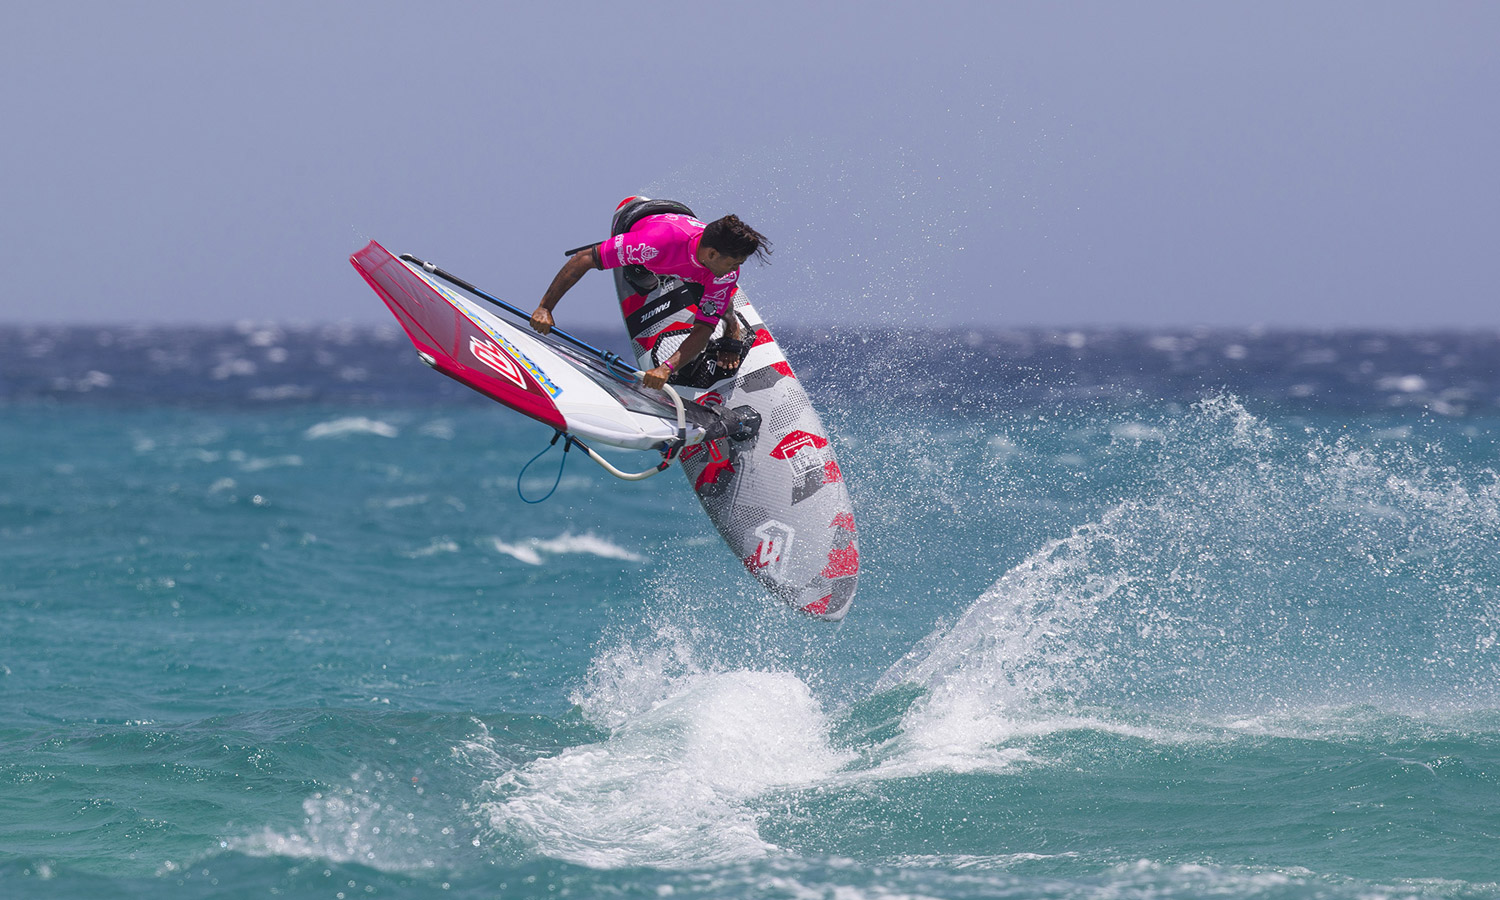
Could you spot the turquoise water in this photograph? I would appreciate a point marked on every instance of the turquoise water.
(1139, 641)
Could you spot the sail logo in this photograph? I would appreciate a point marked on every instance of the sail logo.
(497, 359)
(505, 358)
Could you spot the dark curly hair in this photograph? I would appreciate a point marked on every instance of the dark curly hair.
(734, 238)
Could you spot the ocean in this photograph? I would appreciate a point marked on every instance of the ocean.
(1142, 614)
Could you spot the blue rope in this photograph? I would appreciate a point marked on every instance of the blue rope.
(567, 445)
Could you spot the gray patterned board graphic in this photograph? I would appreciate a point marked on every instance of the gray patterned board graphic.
(778, 499)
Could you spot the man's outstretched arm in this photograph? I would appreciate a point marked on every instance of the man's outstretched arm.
(567, 276)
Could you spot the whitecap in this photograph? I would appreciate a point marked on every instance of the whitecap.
(264, 337)
(1406, 384)
(442, 429)
(95, 379)
(1002, 447)
(270, 462)
(589, 543)
(520, 551)
(87, 382)
(531, 550)
(439, 545)
(350, 425)
(1137, 431)
(398, 502)
(281, 392)
(231, 368)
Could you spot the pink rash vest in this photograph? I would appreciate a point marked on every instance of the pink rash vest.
(667, 244)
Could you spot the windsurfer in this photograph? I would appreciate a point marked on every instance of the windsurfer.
(671, 244)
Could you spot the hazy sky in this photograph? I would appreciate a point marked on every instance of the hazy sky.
(1125, 163)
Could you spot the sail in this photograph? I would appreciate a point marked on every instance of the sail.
(536, 375)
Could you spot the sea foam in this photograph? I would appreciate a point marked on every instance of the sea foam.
(674, 785)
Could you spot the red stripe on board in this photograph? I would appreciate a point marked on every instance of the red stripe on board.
(819, 607)
(649, 342)
(842, 562)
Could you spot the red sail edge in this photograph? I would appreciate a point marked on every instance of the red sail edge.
(459, 348)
